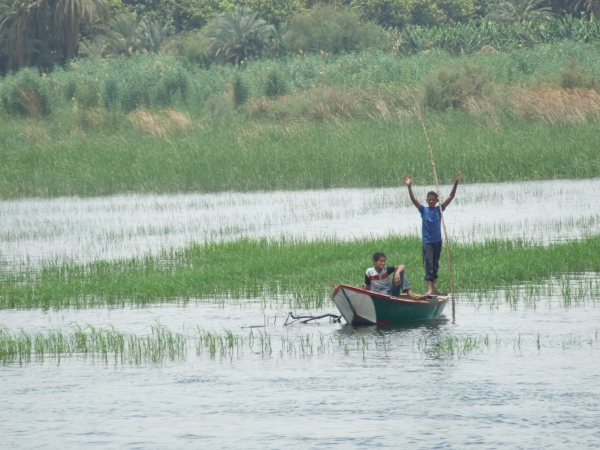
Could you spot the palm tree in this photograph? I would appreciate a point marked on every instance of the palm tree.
(26, 23)
(156, 33)
(17, 37)
(124, 34)
(518, 11)
(97, 47)
(238, 35)
(588, 6)
(68, 14)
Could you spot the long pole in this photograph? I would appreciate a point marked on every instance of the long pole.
(437, 186)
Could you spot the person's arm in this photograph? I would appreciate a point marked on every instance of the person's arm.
(408, 182)
(367, 284)
(397, 271)
(453, 193)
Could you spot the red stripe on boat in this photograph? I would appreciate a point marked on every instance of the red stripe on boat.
(384, 322)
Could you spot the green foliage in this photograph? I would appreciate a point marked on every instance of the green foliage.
(88, 94)
(25, 94)
(332, 30)
(471, 36)
(137, 96)
(115, 6)
(519, 10)
(156, 33)
(96, 47)
(124, 34)
(183, 15)
(275, 84)
(241, 91)
(300, 272)
(111, 94)
(195, 48)
(237, 36)
(231, 153)
(452, 87)
(400, 13)
(572, 75)
(44, 31)
(127, 83)
(275, 12)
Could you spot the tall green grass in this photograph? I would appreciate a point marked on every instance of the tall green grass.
(72, 131)
(284, 272)
(154, 81)
(105, 345)
(44, 159)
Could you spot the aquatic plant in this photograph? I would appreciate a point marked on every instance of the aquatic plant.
(106, 345)
(288, 271)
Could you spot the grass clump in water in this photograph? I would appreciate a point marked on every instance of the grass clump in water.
(291, 272)
(95, 343)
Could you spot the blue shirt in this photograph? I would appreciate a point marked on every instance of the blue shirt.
(431, 224)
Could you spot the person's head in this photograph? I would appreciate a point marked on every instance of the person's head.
(432, 199)
(379, 260)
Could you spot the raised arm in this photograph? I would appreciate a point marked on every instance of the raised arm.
(453, 193)
(408, 182)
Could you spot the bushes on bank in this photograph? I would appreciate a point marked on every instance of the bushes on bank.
(24, 94)
(276, 84)
(241, 91)
(159, 81)
(452, 87)
(572, 75)
(400, 13)
(332, 30)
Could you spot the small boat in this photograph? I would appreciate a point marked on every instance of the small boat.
(360, 307)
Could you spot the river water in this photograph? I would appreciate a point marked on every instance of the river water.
(530, 381)
(86, 229)
(533, 385)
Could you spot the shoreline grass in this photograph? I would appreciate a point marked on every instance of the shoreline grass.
(238, 155)
(323, 134)
(291, 272)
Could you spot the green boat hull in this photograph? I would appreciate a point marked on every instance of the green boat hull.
(360, 307)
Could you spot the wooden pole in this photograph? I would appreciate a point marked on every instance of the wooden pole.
(437, 186)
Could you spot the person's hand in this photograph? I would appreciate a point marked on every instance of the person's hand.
(458, 176)
(364, 286)
(397, 278)
(407, 180)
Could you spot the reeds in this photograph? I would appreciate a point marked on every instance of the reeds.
(157, 124)
(99, 136)
(447, 344)
(110, 346)
(557, 105)
(289, 272)
(245, 156)
(104, 345)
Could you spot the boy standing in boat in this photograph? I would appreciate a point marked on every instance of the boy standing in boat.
(377, 278)
(432, 235)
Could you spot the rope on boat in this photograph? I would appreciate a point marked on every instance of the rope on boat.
(437, 186)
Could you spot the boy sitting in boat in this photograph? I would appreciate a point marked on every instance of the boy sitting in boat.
(377, 278)
(432, 235)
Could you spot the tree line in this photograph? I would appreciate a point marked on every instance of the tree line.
(45, 33)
